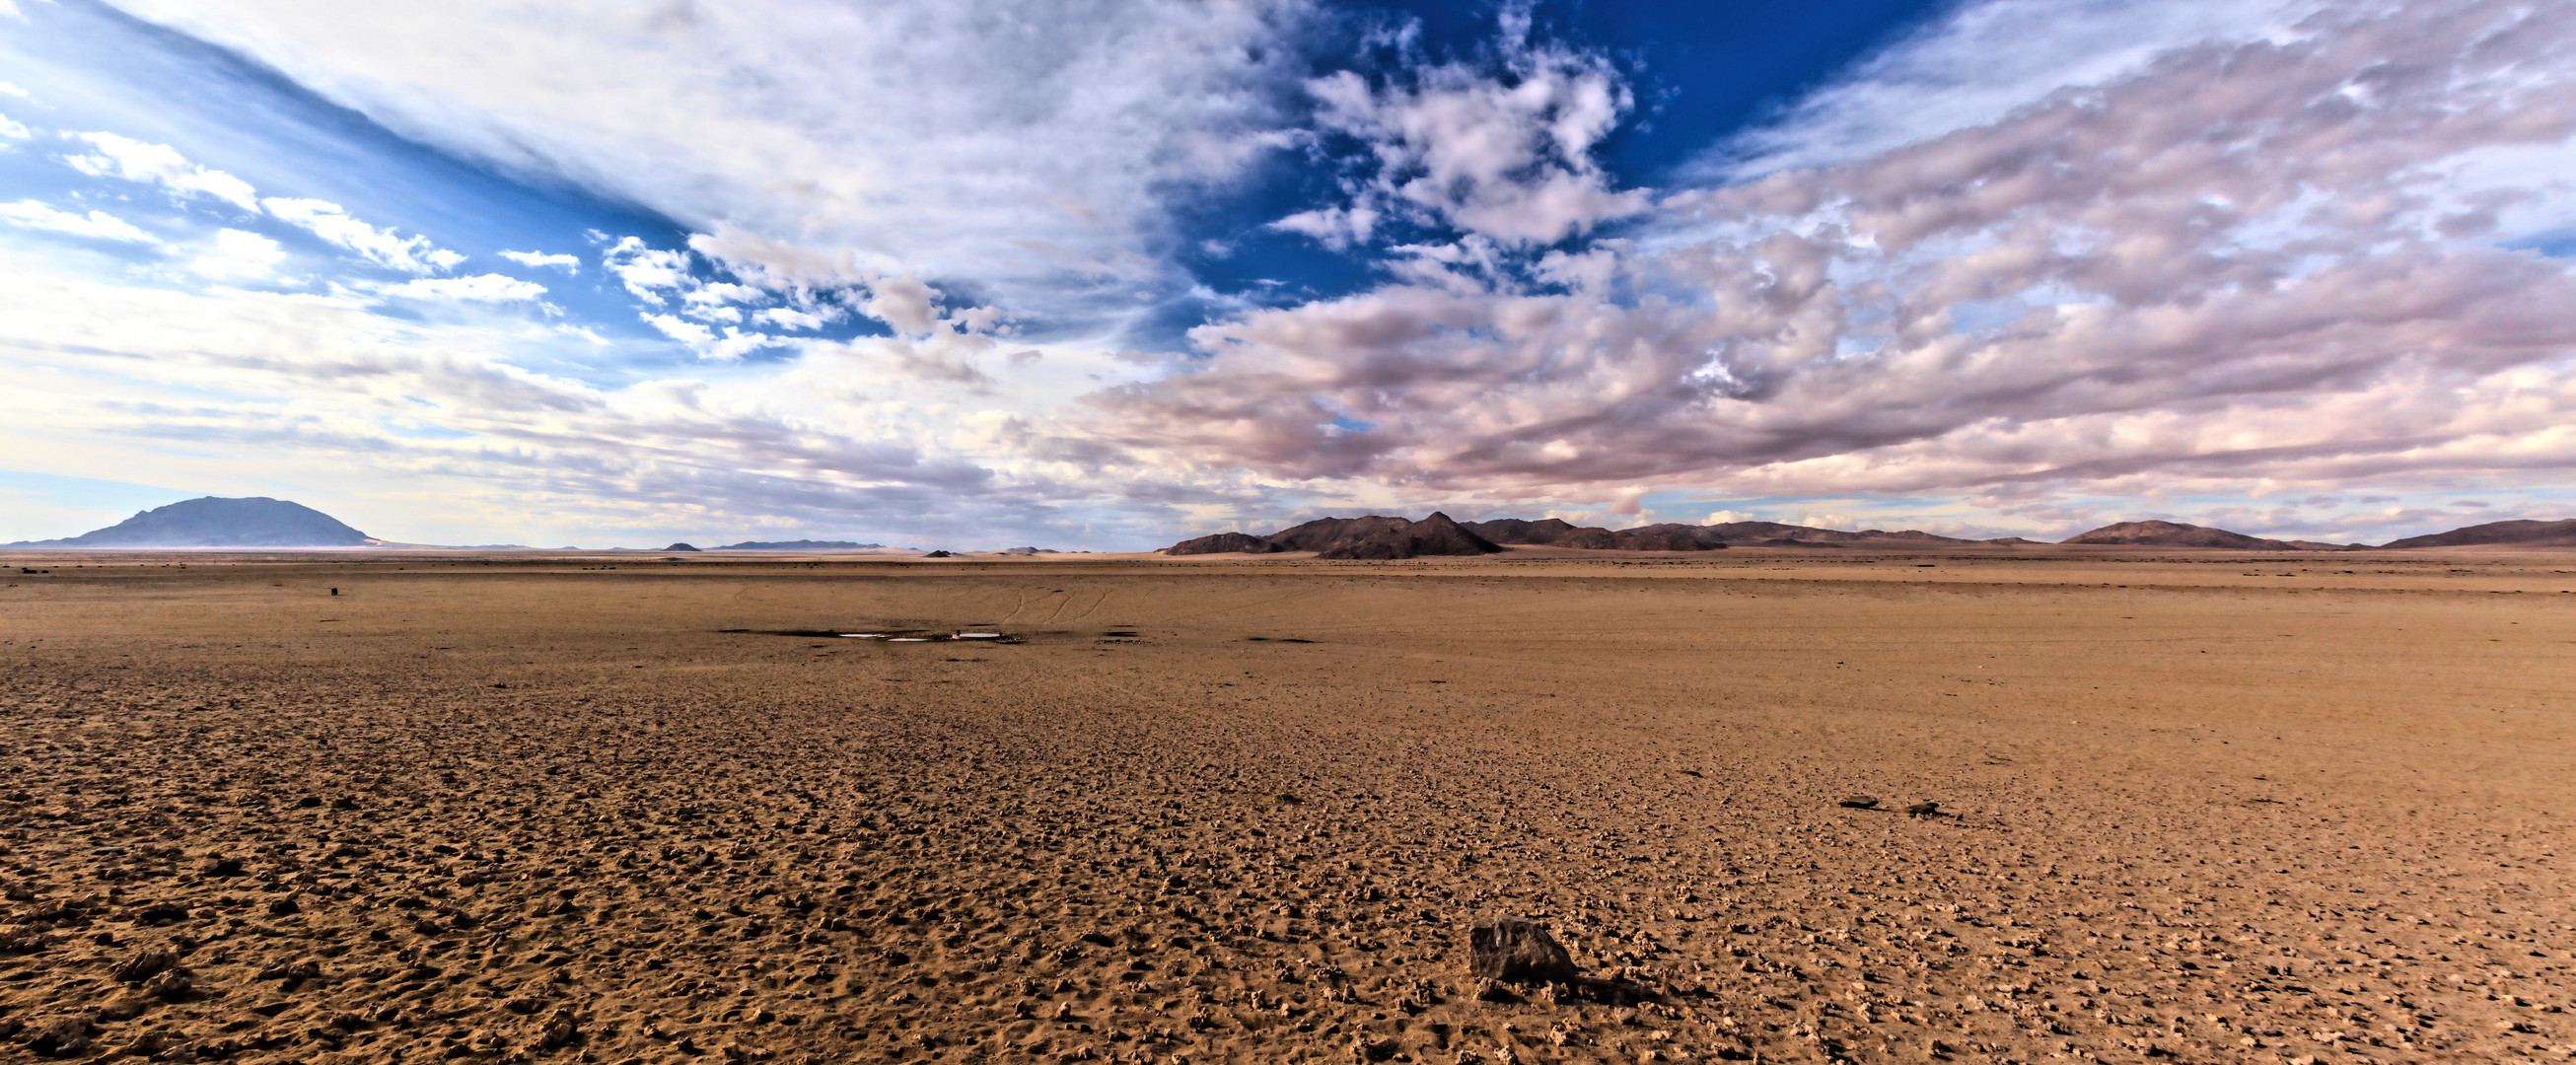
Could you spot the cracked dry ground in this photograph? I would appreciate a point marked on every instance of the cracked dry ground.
(502, 813)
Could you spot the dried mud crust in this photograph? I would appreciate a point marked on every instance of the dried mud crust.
(1059, 856)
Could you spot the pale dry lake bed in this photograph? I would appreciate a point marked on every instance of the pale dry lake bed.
(2192, 806)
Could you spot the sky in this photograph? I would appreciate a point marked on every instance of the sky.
(1104, 275)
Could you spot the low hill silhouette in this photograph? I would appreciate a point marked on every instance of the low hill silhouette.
(216, 521)
(795, 545)
(2175, 534)
(1775, 534)
(2518, 533)
(1556, 532)
(1373, 537)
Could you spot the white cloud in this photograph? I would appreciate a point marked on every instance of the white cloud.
(535, 259)
(239, 254)
(650, 273)
(332, 223)
(488, 288)
(789, 318)
(1333, 227)
(12, 131)
(7, 89)
(1043, 176)
(1506, 154)
(97, 225)
(682, 330)
(133, 160)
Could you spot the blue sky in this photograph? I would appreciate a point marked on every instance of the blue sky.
(1104, 275)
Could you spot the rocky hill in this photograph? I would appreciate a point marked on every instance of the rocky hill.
(1374, 537)
(1557, 532)
(2175, 534)
(2519, 533)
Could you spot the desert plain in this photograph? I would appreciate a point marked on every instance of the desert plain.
(2192, 806)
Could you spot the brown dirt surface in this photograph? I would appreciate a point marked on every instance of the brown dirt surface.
(2194, 807)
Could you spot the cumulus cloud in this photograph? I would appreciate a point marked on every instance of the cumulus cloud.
(236, 254)
(96, 225)
(12, 131)
(1044, 175)
(1508, 157)
(681, 329)
(2246, 258)
(133, 160)
(484, 288)
(331, 222)
(571, 264)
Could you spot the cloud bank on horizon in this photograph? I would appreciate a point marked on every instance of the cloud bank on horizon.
(1104, 273)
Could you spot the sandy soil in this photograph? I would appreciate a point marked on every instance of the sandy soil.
(2192, 807)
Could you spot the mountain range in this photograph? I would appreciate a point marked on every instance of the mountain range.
(1377, 536)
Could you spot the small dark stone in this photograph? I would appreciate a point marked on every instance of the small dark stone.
(144, 966)
(221, 866)
(170, 983)
(1924, 809)
(284, 907)
(1518, 950)
(1860, 802)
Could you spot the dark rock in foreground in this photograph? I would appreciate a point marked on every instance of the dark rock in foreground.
(1517, 950)
(214, 521)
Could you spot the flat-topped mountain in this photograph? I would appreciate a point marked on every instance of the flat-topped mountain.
(1375, 537)
(214, 521)
(2518, 533)
(2175, 534)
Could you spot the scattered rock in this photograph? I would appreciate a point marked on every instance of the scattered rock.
(124, 1008)
(67, 1034)
(1860, 802)
(1518, 950)
(1924, 809)
(218, 865)
(161, 913)
(560, 1030)
(170, 983)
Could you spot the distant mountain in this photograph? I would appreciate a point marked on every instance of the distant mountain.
(795, 545)
(2175, 534)
(1556, 532)
(683, 546)
(1372, 537)
(214, 521)
(2520, 533)
(1775, 534)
